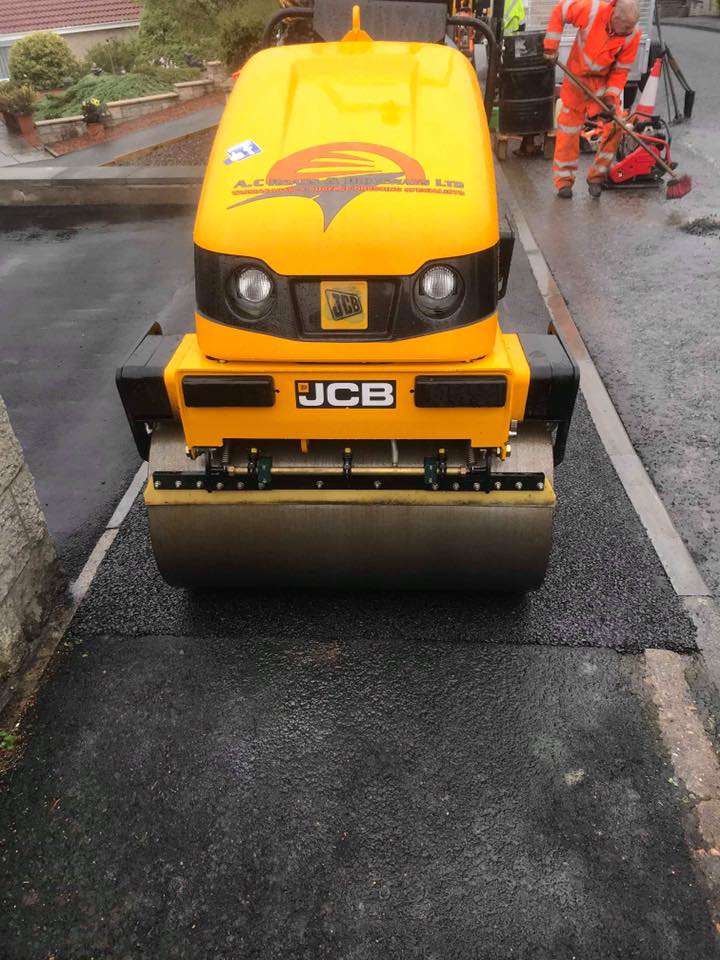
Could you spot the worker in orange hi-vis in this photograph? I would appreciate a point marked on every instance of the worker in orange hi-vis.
(604, 51)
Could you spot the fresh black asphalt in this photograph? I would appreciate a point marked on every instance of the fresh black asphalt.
(318, 796)
(356, 776)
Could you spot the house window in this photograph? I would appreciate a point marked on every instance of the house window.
(4, 67)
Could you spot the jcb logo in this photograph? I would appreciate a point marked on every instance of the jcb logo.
(343, 305)
(345, 393)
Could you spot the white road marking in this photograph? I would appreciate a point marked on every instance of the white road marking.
(128, 498)
(79, 587)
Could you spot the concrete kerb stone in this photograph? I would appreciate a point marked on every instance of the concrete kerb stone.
(58, 186)
(145, 151)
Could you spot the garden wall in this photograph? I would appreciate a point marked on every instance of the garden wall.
(67, 128)
(30, 578)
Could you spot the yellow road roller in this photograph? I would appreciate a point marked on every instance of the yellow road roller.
(347, 412)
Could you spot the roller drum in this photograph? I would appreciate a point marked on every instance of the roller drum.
(353, 539)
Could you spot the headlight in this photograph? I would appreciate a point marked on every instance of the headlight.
(254, 285)
(439, 291)
(438, 283)
(251, 291)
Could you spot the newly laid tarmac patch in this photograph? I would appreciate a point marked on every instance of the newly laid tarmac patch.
(605, 586)
(270, 793)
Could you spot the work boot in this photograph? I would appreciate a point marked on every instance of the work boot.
(594, 189)
(565, 193)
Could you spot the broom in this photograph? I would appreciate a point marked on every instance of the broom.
(677, 186)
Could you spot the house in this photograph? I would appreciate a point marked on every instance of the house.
(83, 23)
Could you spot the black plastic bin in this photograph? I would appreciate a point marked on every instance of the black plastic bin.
(527, 86)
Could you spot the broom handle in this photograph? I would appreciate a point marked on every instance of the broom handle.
(616, 119)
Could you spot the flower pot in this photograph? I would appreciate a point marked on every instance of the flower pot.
(11, 122)
(26, 126)
(96, 131)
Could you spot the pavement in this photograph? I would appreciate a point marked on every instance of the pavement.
(15, 149)
(140, 139)
(635, 270)
(324, 775)
(693, 23)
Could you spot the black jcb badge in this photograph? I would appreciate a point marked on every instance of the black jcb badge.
(345, 393)
(343, 305)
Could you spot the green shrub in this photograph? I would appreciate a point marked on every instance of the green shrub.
(105, 88)
(17, 98)
(114, 56)
(41, 59)
(239, 37)
(166, 34)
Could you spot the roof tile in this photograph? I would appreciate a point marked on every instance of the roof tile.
(25, 16)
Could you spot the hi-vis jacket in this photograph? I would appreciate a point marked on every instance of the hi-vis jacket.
(514, 16)
(595, 54)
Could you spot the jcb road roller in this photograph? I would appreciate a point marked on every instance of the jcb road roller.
(347, 412)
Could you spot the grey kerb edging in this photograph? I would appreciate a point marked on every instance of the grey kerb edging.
(30, 578)
(57, 185)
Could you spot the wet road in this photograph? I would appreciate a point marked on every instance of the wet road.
(333, 775)
(640, 274)
(76, 297)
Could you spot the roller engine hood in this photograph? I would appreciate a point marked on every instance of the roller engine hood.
(351, 158)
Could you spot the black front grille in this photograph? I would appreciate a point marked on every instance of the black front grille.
(382, 299)
(294, 313)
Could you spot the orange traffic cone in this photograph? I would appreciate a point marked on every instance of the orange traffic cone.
(646, 104)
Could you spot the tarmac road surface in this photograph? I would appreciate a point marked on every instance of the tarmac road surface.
(328, 775)
(640, 276)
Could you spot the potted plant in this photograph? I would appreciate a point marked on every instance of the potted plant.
(16, 105)
(94, 114)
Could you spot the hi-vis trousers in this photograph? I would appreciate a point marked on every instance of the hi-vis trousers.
(574, 108)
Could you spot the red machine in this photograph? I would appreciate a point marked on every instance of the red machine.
(633, 166)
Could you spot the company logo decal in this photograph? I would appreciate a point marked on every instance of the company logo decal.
(345, 393)
(241, 151)
(333, 174)
(343, 305)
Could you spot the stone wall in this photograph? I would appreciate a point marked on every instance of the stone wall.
(67, 128)
(64, 128)
(30, 579)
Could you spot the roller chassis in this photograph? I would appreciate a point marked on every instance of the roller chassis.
(363, 421)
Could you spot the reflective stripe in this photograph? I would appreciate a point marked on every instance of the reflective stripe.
(566, 7)
(616, 90)
(622, 66)
(594, 67)
(552, 36)
(601, 91)
(591, 20)
(565, 129)
(605, 154)
(568, 164)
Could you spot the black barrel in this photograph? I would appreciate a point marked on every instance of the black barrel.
(527, 85)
